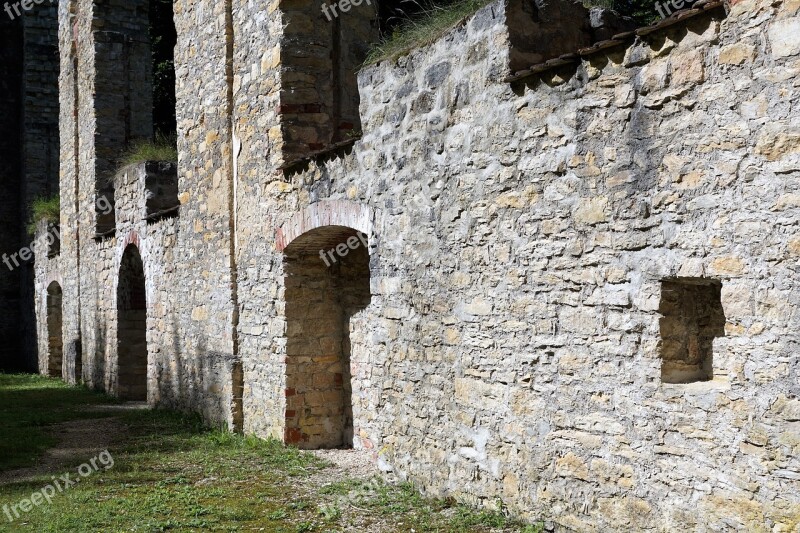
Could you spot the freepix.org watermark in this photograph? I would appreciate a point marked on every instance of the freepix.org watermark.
(342, 249)
(14, 11)
(666, 8)
(343, 6)
(25, 254)
(104, 461)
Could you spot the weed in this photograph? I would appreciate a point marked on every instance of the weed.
(331, 513)
(280, 514)
(434, 22)
(44, 208)
(162, 149)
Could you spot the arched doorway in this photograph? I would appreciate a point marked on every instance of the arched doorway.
(132, 328)
(327, 286)
(55, 342)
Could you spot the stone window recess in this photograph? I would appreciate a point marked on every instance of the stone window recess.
(105, 212)
(540, 31)
(161, 184)
(692, 317)
(319, 100)
(323, 305)
(55, 355)
(54, 249)
(132, 328)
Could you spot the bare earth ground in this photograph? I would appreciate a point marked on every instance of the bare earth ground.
(78, 440)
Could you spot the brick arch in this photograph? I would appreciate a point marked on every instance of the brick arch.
(54, 277)
(131, 238)
(342, 213)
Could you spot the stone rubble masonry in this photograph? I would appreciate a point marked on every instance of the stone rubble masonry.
(522, 239)
(28, 164)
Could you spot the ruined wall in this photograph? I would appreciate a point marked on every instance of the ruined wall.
(40, 146)
(524, 242)
(206, 310)
(522, 234)
(29, 155)
(11, 56)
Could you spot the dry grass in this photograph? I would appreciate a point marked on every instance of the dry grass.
(435, 22)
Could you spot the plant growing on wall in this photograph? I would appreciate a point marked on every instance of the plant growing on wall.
(161, 149)
(409, 24)
(44, 208)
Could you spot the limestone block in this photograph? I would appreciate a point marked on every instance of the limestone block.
(688, 67)
(737, 54)
(591, 210)
(784, 36)
(778, 140)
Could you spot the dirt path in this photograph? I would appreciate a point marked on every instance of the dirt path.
(78, 441)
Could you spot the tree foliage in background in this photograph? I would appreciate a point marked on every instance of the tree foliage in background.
(163, 38)
(399, 17)
(642, 11)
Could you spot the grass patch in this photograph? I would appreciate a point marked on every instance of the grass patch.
(44, 208)
(162, 149)
(425, 29)
(172, 473)
(28, 405)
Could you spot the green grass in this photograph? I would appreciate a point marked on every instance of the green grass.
(28, 405)
(44, 208)
(424, 30)
(171, 473)
(162, 149)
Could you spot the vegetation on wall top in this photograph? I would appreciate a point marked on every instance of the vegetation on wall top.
(422, 25)
(410, 24)
(44, 208)
(161, 149)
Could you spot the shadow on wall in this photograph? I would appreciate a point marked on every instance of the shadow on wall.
(98, 369)
(323, 293)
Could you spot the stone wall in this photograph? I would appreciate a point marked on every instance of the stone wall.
(524, 235)
(11, 55)
(29, 159)
(525, 259)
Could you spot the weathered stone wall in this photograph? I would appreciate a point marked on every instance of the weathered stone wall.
(523, 242)
(11, 55)
(522, 234)
(29, 155)
(191, 362)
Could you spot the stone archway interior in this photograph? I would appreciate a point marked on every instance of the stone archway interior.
(55, 338)
(132, 328)
(327, 286)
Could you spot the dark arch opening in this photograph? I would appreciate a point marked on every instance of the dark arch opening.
(132, 327)
(55, 337)
(327, 286)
